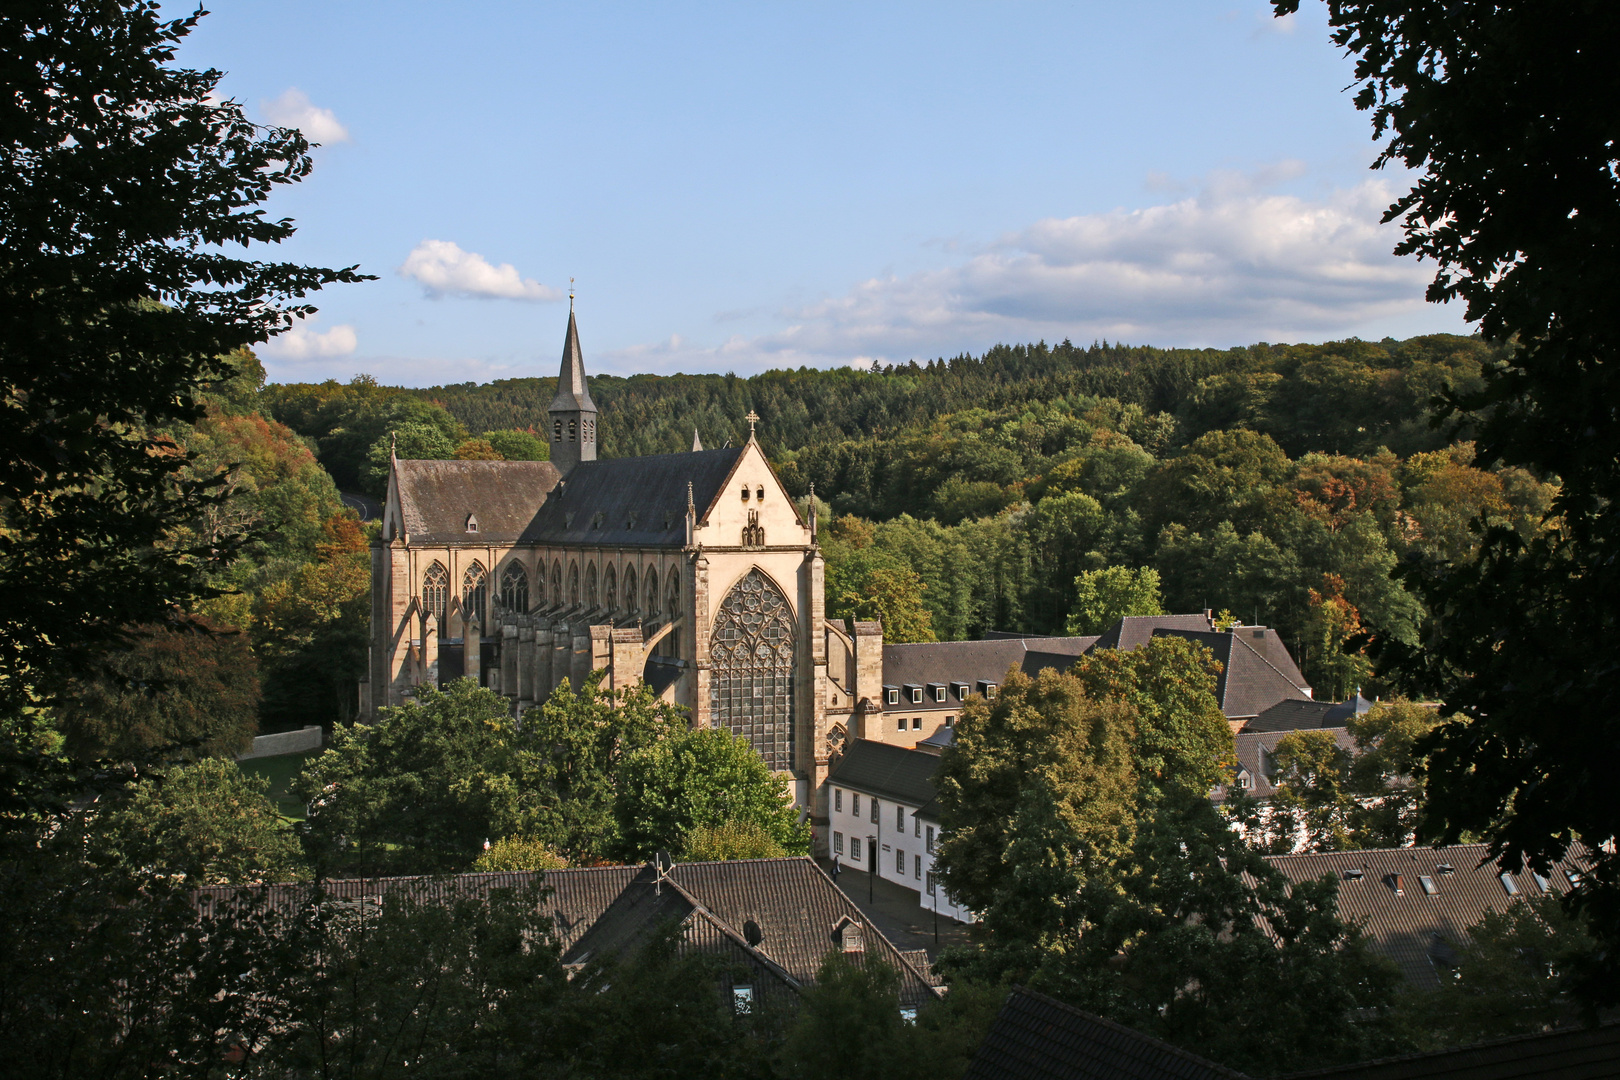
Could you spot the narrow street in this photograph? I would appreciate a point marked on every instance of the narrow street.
(894, 910)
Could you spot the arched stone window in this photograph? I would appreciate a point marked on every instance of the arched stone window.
(652, 593)
(515, 588)
(475, 592)
(590, 585)
(573, 584)
(631, 597)
(556, 582)
(672, 597)
(751, 674)
(539, 587)
(610, 589)
(435, 591)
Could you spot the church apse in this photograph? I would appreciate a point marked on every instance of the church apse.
(751, 686)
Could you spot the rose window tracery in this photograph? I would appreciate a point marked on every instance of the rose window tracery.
(751, 673)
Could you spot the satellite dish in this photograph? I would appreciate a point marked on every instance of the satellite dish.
(752, 933)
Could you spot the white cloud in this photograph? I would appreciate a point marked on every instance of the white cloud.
(304, 342)
(445, 270)
(293, 110)
(1233, 264)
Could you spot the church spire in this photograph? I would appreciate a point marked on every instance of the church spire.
(573, 413)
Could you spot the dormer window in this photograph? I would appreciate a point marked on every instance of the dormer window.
(939, 691)
(892, 695)
(916, 694)
(472, 523)
(961, 690)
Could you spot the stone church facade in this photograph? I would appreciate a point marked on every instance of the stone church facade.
(693, 572)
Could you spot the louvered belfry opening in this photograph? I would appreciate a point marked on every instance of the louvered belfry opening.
(751, 673)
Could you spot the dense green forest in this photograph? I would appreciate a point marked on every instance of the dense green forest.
(1281, 483)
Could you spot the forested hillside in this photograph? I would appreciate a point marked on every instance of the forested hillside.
(1279, 482)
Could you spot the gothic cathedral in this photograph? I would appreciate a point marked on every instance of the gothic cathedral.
(691, 572)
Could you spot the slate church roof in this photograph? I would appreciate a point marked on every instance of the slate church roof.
(1035, 1037)
(632, 502)
(436, 498)
(1297, 715)
(573, 393)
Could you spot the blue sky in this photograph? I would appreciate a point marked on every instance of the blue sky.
(740, 187)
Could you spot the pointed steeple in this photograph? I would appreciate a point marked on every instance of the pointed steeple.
(573, 413)
(697, 443)
(572, 391)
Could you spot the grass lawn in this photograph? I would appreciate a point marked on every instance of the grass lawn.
(281, 770)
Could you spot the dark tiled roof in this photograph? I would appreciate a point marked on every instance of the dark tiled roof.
(796, 907)
(435, 498)
(1256, 671)
(1134, 630)
(792, 901)
(1252, 748)
(892, 772)
(596, 504)
(1294, 714)
(1410, 928)
(1034, 661)
(971, 662)
(1576, 1054)
(1068, 646)
(1035, 1037)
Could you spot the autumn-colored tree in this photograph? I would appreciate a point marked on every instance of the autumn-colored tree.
(477, 450)
(1331, 623)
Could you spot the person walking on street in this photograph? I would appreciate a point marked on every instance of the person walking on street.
(837, 867)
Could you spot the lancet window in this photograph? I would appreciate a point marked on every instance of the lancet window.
(573, 584)
(590, 585)
(652, 593)
(556, 583)
(475, 592)
(515, 588)
(435, 591)
(631, 597)
(751, 677)
(610, 589)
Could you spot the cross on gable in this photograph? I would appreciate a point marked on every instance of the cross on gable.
(752, 418)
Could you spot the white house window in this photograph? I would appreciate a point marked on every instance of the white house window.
(742, 1000)
(939, 693)
(838, 843)
(929, 843)
(838, 799)
(874, 811)
(916, 695)
(930, 886)
(855, 798)
(916, 867)
(902, 724)
(916, 825)
(899, 862)
(950, 721)
(854, 849)
(916, 723)
(900, 820)
(893, 697)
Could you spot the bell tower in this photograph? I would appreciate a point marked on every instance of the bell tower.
(573, 413)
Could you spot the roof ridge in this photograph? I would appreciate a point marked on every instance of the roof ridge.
(1263, 660)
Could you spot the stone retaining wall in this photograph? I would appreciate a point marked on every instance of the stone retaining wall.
(284, 742)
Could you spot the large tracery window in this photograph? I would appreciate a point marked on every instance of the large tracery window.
(751, 680)
(435, 591)
(515, 588)
(475, 593)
